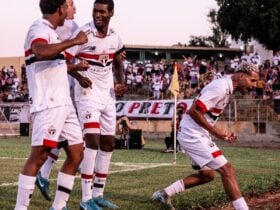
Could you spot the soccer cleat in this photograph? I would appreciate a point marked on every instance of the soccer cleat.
(43, 185)
(89, 205)
(103, 202)
(160, 196)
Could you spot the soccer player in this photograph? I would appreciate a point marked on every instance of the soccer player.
(96, 105)
(194, 137)
(64, 32)
(52, 111)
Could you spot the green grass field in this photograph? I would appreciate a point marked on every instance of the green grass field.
(136, 174)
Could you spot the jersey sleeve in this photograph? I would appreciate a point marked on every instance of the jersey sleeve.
(73, 51)
(209, 96)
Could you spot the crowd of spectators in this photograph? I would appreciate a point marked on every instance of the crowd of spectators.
(150, 80)
(13, 88)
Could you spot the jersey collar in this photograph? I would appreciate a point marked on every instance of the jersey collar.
(95, 32)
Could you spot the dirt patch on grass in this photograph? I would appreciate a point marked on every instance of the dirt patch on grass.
(261, 201)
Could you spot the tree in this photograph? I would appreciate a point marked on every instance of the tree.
(218, 38)
(251, 19)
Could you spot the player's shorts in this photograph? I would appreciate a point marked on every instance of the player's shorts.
(96, 118)
(200, 149)
(54, 125)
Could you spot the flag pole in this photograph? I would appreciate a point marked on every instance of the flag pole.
(174, 88)
(175, 130)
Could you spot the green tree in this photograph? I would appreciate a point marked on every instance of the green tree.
(251, 19)
(218, 37)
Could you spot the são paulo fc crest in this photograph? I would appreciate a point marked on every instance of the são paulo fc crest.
(103, 59)
(51, 130)
(88, 115)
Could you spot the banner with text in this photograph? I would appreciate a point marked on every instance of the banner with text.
(150, 109)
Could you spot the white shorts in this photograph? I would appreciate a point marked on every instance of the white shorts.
(201, 150)
(97, 118)
(54, 125)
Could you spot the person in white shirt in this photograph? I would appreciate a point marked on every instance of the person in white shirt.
(51, 108)
(64, 33)
(96, 105)
(195, 140)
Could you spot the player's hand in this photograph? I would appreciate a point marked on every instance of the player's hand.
(123, 55)
(231, 138)
(120, 89)
(85, 82)
(82, 66)
(81, 38)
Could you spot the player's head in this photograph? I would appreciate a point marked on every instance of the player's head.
(54, 7)
(102, 12)
(50, 6)
(71, 11)
(109, 3)
(247, 77)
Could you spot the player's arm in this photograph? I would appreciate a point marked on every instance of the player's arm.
(42, 50)
(197, 114)
(73, 71)
(120, 87)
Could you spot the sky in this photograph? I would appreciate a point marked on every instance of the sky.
(142, 22)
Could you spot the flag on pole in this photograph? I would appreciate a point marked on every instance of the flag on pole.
(174, 85)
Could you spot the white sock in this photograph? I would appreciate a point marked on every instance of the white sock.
(240, 204)
(49, 163)
(102, 164)
(87, 167)
(65, 184)
(175, 188)
(26, 185)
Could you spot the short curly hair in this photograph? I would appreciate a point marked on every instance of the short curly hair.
(246, 68)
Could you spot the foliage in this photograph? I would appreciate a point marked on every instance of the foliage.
(218, 37)
(251, 19)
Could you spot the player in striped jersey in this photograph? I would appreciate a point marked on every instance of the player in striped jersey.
(51, 107)
(96, 105)
(194, 137)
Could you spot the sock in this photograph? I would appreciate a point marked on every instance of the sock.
(240, 204)
(102, 164)
(65, 184)
(87, 167)
(175, 188)
(49, 163)
(26, 185)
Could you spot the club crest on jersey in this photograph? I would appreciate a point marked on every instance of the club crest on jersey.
(103, 58)
(88, 115)
(51, 130)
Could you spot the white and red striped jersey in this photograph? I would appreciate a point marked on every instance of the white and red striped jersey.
(66, 31)
(99, 53)
(212, 100)
(47, 79)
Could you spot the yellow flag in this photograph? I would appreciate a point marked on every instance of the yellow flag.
(174, 85)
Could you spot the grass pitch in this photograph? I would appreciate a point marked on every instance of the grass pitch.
(136, 174)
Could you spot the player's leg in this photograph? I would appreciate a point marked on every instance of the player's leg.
(42, 179)
(71, 131)
(89, 114)
(104, 155)
(27, 177)
(231, 186)
(44, 137)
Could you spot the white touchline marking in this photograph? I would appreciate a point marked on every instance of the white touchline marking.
(138, 167)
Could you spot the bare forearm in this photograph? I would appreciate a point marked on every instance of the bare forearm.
(43, 51)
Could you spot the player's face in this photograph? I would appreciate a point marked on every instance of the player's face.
(62, 14)
(71, 9)
(247, 82)
(101, 15)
